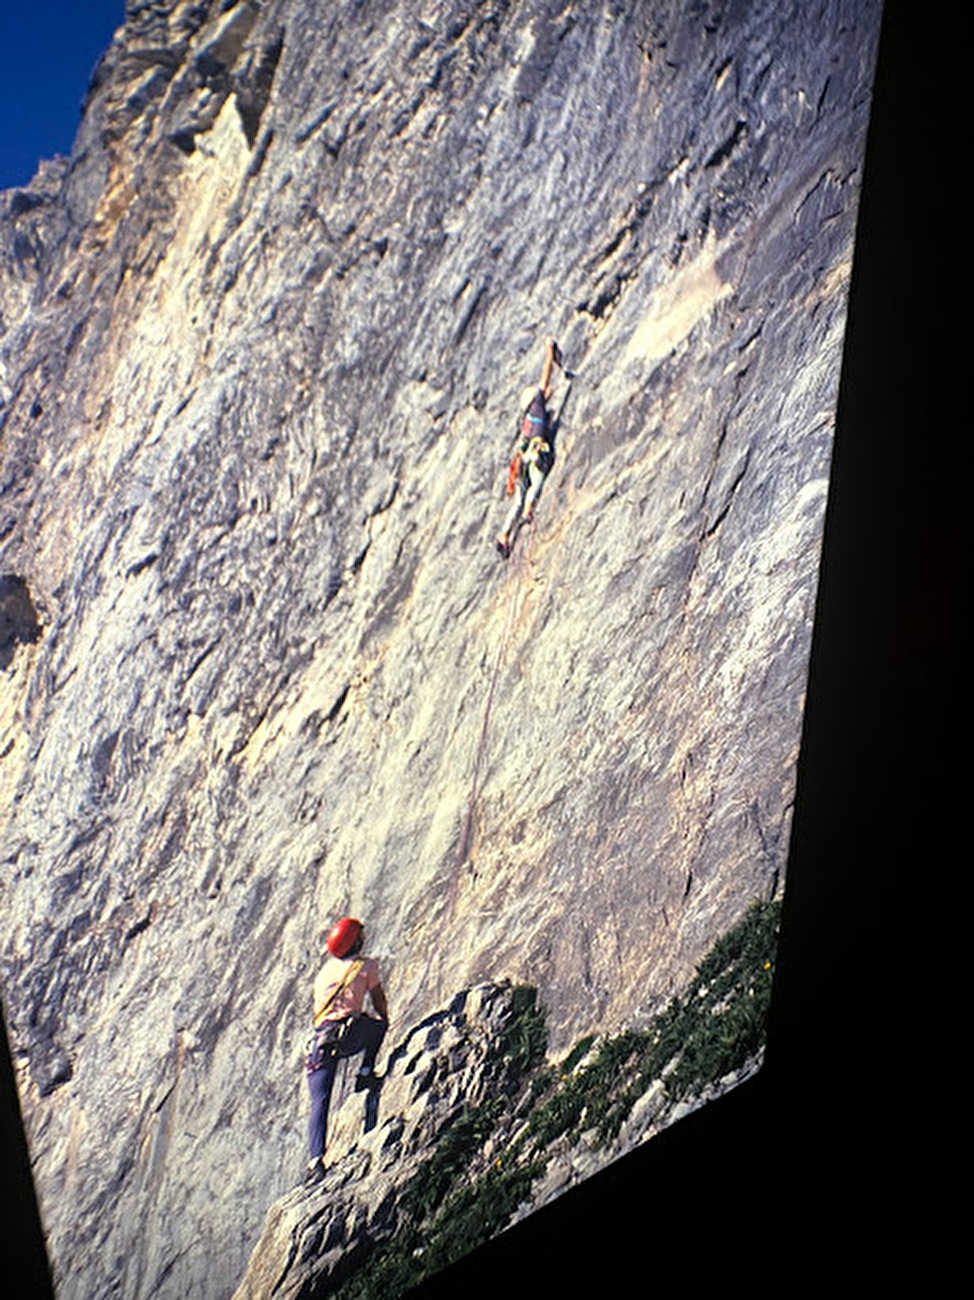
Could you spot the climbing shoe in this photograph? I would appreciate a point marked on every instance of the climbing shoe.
(503, 546)
(314, 1173)
(365, 1079)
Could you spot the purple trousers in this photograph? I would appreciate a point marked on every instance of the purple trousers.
(364, 1035)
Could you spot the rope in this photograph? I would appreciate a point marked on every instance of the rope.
(465, 834)
(518, 565)
(467, 829)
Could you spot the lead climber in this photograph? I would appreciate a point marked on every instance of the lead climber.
(533, 452)
(342, 1028)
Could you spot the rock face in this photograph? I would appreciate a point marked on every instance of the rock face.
(263, 336)
(451, 1065)
(481, 1131)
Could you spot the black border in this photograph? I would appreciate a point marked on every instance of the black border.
(817, 1164)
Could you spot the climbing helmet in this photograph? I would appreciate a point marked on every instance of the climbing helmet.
(345, 934)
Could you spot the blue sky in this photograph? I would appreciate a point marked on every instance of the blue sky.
(48, 51)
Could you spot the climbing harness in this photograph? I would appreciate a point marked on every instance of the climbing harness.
(328, 1034)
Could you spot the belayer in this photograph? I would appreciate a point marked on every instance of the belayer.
(533, 453)
(342, 1028)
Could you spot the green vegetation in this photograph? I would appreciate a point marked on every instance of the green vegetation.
(474, 1214)
(714, 1029)
(460, 1197)
(578, 1053)
(450, 1160)
(526, 1037)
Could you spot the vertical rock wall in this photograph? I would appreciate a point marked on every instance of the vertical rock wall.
(262, 340)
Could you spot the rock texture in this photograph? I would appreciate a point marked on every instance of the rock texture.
(262, 339)
(450, 1064)
(480, 1131)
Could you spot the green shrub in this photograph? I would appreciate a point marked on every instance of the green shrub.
(525, 1038)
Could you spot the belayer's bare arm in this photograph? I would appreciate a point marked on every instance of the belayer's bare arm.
(552, 356)
(378, 996)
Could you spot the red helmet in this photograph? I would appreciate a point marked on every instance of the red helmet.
(345, 934)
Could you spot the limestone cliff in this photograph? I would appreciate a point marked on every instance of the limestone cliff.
(263, 336)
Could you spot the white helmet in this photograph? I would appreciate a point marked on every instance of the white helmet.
(527, 397)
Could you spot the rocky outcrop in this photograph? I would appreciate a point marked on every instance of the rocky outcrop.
(263, 336)
(479, 1131)
(443, 1089)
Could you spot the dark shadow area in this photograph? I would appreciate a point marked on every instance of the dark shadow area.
(372, 1096)
(554, 427)
(19, 624)
(21, 1240)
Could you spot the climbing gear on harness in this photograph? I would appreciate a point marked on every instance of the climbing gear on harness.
(538, 453)
(513, 472)
(327, 1035)
(323, 1043)
(326, 1041)
(344, 936)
